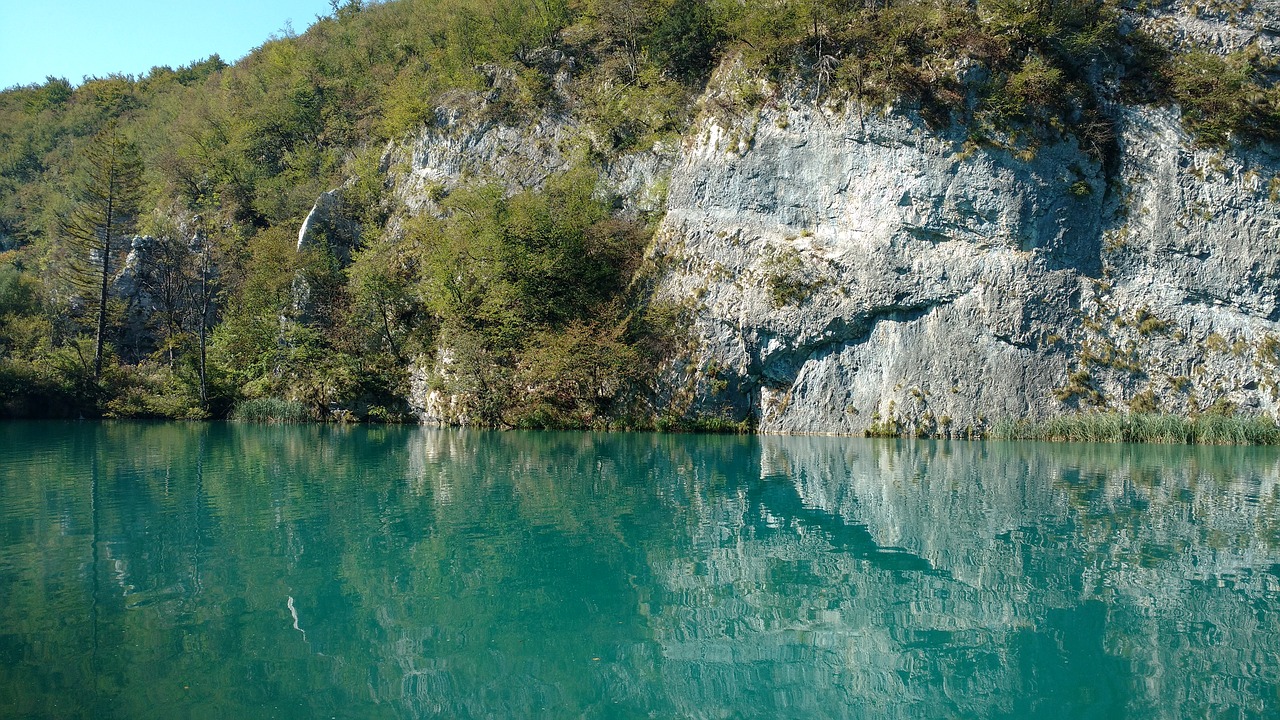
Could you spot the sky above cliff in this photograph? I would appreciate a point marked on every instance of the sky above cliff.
(78, 38)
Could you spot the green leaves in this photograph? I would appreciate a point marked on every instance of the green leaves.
(686, 38)
(529, 291)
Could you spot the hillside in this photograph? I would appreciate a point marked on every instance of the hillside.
(892, 217)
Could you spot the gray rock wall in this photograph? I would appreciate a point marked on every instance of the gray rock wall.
(1216, 26)
(465, 145)
(849, 271)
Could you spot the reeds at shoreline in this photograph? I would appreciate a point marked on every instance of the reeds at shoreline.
(271, 410)
(1207, 429)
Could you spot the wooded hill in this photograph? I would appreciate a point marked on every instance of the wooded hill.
(538, 293)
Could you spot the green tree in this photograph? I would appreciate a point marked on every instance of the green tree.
(23, 329)
(626, 22)
(168, 275)
(248, 345)
(105, 213)
(207, 290)
(686, 39)
(384, 305)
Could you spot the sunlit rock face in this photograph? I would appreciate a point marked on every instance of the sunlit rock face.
(471, 140)
(852, 271)
(848, 268)
(849, 271)
(846, 263)
(1216, 26)
(329, 226)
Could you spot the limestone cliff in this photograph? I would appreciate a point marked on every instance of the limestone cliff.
(850, 269)
(850, 272)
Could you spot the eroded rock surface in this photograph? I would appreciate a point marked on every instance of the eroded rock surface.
(850, 274)
(851, 270)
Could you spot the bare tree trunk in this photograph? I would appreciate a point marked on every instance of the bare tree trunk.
(106, 279)
(204, 319)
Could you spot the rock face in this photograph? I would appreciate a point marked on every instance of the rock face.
(329, 226)
(841, 265)
(868, 273)
(466, 145)
(458, 149)
(133, 283)
(1217, 27)
(849, 272)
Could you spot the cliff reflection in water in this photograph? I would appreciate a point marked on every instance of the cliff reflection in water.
(152, 570)
(932, 579)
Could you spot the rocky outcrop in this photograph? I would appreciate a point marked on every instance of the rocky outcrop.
(842, 266)
(132, 285)
(1215, 26)
(157, 286)
(851, 272)
(329, 226)
(468, 142)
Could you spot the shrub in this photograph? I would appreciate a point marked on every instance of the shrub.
(705, 424)
(30, 390)
(1226, 97)
(150, 390)
(787, 280)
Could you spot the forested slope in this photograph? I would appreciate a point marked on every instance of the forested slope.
(525, 298)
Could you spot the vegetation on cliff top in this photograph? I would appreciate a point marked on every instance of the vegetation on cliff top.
(538, 294)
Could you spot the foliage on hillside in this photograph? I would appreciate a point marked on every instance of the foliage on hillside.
(531, 291)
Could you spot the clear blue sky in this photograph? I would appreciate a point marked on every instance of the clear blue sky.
(75, 38)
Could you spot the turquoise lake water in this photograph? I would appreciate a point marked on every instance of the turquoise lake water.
(239, 571)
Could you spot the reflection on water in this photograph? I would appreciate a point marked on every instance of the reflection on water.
(158, 570)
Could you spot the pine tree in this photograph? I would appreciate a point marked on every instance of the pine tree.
(106, 209)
